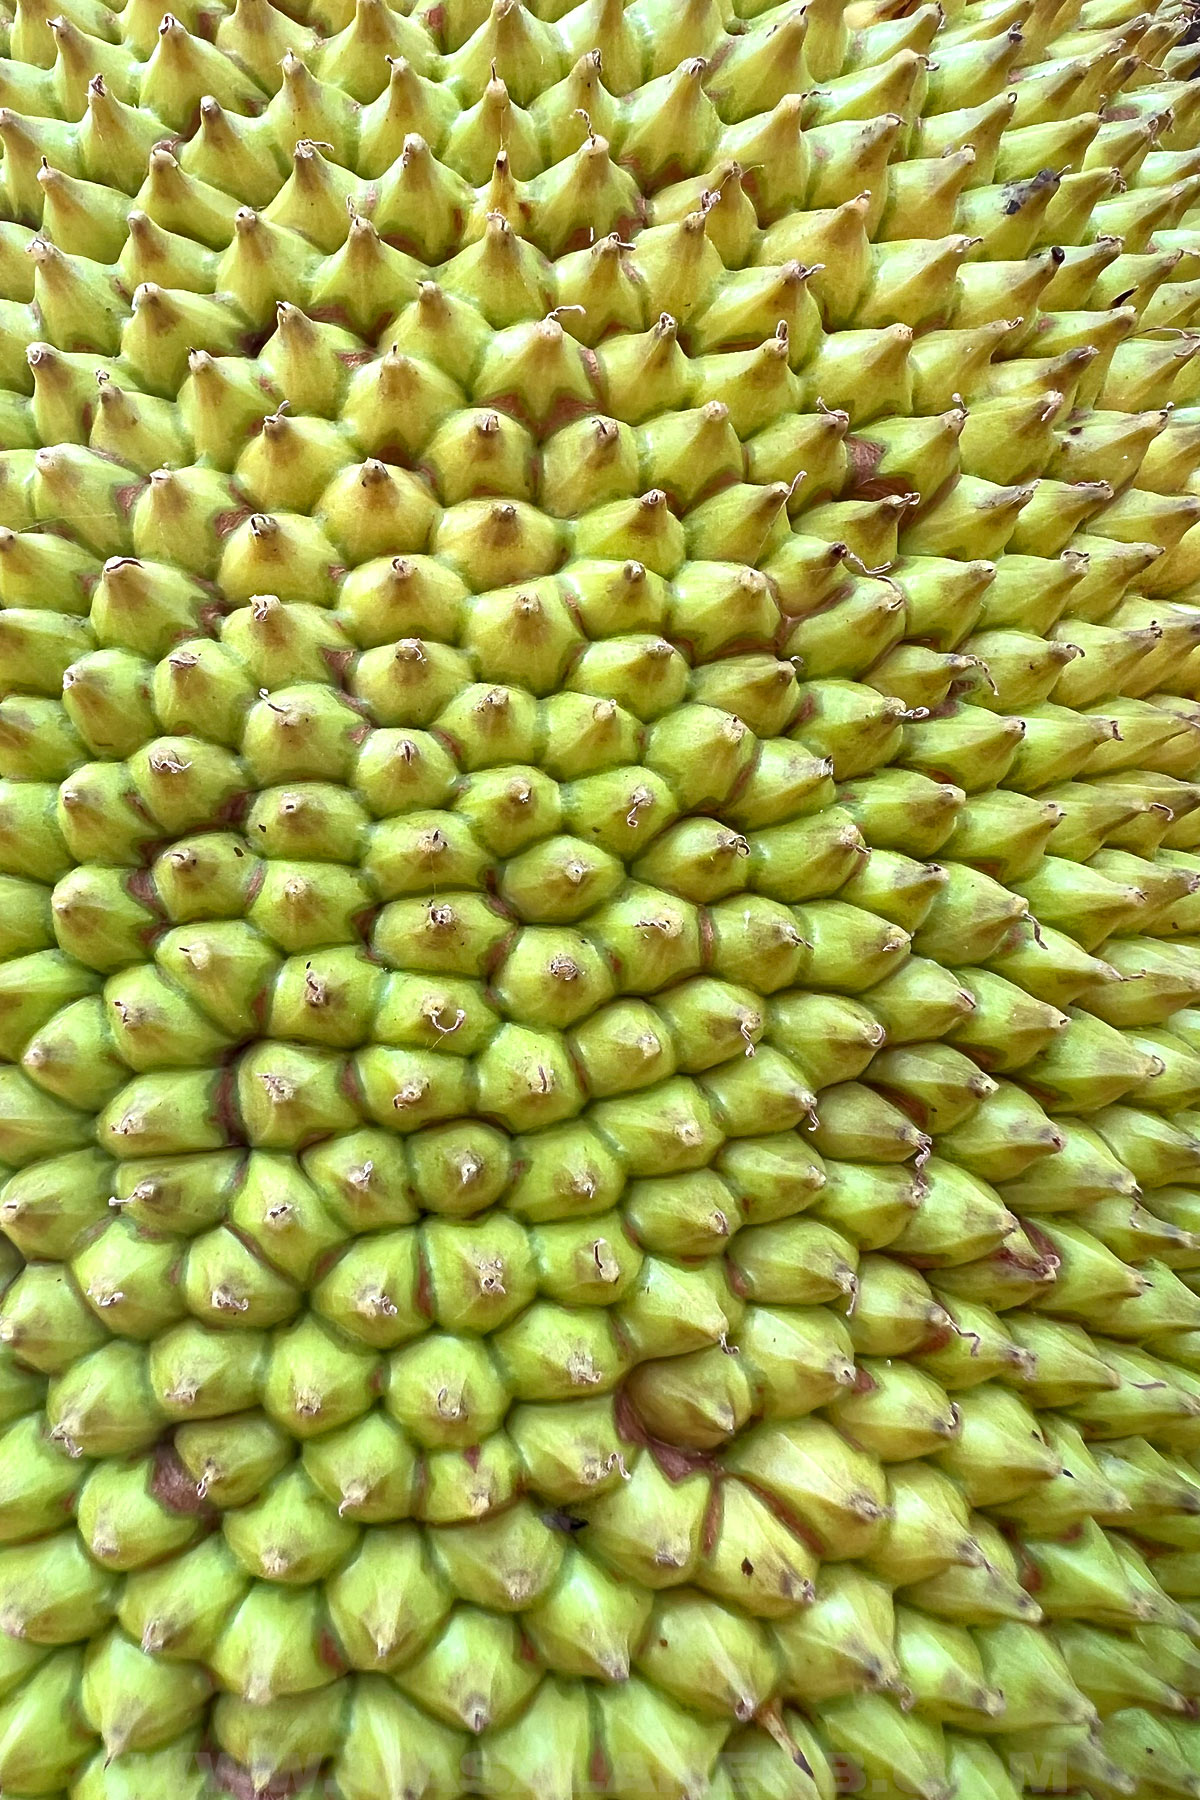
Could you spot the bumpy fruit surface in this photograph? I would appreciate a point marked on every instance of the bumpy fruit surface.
(599, 900)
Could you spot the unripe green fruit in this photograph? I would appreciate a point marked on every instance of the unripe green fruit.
(548, 1245)
(431, 849)
(230, 1460)
(41, 1486)
(37, 740)
(209, 876)
(134, 1702)
(288, 1535)
(367, 1469)
(305, 905)
(201, 687)
(844, 1640)
(129, 1281)
(26, 919)
(837, 1492)
(45, 1321)
(33, 1124)
(42, 1736)
(772, 1177)
(270, 1647)
(147, 605)
(103, 1404)
(870, 1203)
(796, 1262)
(445, 1391)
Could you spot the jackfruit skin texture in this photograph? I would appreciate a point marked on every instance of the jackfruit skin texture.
(599, 869)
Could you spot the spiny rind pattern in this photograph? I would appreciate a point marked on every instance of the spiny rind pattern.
(600, 885)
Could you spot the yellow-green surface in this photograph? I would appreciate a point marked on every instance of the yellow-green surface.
(600, 894)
